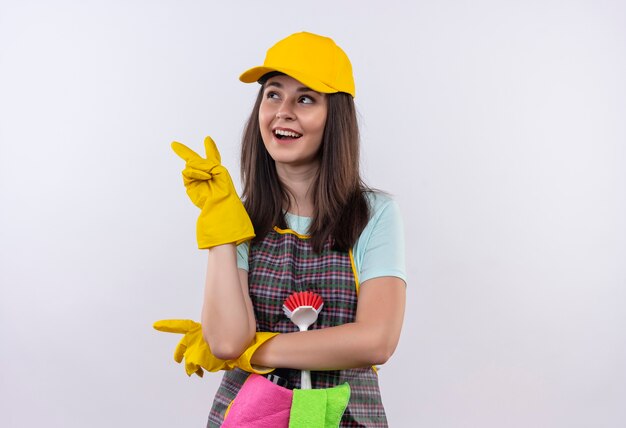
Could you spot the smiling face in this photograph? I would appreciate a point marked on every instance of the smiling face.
(292, 119)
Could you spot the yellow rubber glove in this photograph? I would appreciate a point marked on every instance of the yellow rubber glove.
(197, 353)
(223, 219)
(192, 347)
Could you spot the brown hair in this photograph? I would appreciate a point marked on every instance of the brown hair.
(341, 210)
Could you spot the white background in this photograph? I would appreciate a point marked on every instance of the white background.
(499, 126)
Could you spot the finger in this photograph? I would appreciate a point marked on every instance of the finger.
(212, 154)
(193, 171)
(184, 152)
(179, 352)
(175, 326)
(191, 368)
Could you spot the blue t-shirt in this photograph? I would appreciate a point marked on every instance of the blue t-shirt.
(379, 251)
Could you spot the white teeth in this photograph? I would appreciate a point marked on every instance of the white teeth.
(287, 133)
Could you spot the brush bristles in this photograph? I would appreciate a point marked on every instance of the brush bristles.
(303, 298)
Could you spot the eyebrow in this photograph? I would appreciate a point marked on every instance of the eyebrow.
(300, 89)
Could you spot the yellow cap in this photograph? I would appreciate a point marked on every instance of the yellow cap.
(315, 61)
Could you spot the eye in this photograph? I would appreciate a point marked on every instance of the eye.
(305, 99)
(271, 95)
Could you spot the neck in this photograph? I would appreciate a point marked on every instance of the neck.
(298, 180)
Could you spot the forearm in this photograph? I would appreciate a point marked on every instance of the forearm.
(370, 340)
(346, 346)
(228, 321)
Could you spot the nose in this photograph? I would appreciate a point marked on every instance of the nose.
(285, 112)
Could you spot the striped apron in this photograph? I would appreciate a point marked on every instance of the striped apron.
(282, 263)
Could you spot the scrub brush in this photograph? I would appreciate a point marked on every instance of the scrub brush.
(302, 309)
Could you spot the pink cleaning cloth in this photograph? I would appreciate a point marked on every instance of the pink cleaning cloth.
(260, 404)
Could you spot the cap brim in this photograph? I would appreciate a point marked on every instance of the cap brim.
(254, 74)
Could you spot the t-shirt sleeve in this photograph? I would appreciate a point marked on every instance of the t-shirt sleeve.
(242, 255)
(380, 250)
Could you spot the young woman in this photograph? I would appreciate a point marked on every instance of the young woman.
(317, 228)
